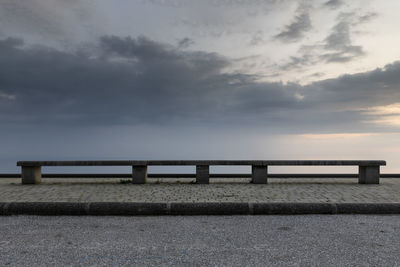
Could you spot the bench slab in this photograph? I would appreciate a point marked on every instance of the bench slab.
(204, 162)
(369, 172)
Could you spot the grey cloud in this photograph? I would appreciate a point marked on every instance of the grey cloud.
(376, 87)
(307, 55)
(334, 4)
(339, 37)
(168, 4)
(243, 3)
(347, 54)
(367, 17)
(10, 43)
(296, 29)
(135, 81)
(130, 81)
(5, 96)
(57, 21)
(339, 41)
(298, 62)
(337, 47)
(165, 59)
(317, 74)
(185, 42)
(257, 38)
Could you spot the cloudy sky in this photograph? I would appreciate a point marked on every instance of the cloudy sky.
(199, 79)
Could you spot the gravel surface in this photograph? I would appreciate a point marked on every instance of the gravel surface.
(341, 240)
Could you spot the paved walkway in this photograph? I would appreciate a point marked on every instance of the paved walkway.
(175, 190)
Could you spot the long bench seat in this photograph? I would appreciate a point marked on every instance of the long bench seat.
(369, 170)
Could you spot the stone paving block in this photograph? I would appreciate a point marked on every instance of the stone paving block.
(213, 209)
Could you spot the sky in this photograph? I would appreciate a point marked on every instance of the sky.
(191, 79)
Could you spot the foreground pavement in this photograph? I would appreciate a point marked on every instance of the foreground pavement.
(313, 240)
(175, 197)
(181, 191)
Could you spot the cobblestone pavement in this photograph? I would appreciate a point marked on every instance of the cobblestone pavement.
(175, 190)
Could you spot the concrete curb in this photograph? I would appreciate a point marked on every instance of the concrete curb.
(153, 209)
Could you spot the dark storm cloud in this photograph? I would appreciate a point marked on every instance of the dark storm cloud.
(296, 29)
(129, 81)
(363, 90)
(136, 80)
(10, 43)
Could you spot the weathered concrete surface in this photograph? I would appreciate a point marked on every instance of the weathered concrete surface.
(368, 174)
(188, 208)
(203, 162)
(139, 174)
(259, 174)
(277, 191)
(31, 175)
(200, 241)
(202, 174)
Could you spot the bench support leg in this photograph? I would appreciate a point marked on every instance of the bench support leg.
(139, 174)
(259, 174)
(368, 174)
(202, 174)
(31, 175)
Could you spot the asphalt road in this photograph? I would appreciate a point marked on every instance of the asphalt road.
(342, 240)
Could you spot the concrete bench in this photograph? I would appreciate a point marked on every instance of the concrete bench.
(369, 170)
